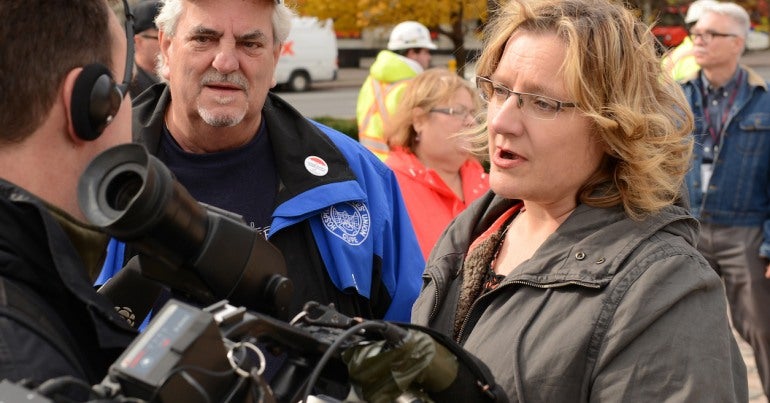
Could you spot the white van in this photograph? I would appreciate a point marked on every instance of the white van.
(308, 55)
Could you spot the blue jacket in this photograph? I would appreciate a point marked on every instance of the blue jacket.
(354, 213)
(357, 221)
(738, 192)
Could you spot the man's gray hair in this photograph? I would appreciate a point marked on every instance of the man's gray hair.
(735, 12)
(171, 10)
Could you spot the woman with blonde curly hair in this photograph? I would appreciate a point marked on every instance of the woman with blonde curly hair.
(576, 278)
(429, 153)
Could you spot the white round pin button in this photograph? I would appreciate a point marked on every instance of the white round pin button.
(316, 165)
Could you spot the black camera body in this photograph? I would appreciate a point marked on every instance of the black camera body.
(180, 339)
(200, 251)
(200, 355)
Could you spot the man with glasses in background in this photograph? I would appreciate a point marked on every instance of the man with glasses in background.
(146, 47)
(729, 177)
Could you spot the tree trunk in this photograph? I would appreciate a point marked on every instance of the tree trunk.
(458, 40)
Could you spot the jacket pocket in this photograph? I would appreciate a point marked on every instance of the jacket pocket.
(754, 133)
(756, 121)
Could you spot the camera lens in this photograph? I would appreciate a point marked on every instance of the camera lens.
(122, 190)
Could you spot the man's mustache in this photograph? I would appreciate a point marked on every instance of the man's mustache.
(213, 76)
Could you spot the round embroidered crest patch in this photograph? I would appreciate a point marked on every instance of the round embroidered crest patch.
(349, 221)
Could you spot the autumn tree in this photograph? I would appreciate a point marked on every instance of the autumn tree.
(451, 18)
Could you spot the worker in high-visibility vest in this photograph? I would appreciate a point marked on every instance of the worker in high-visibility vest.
(407, 55)
(680, 62)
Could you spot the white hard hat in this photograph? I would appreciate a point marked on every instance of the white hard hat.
(696, 10)
(410, 35)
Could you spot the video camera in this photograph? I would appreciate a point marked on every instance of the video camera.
(201, 252)
(192, 355)
(189, 354)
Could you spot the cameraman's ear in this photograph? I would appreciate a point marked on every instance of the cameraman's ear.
(65, 93)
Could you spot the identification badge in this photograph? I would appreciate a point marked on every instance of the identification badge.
(705, 176)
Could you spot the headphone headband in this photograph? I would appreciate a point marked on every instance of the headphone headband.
(96, 98)
(128, 73)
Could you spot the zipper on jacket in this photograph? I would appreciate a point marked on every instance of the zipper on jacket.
(436, 295)
(474, 314)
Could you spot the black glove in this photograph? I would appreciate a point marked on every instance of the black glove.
(421, 365)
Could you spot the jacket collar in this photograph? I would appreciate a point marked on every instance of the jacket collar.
(54, 262)
(390, 67)
(589, 247)
(754, 79)
(592, 244)
(294, 139)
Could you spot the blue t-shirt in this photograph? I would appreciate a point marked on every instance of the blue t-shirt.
(241, 180)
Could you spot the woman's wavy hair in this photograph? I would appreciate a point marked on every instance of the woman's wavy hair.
(612, 71)
(429, 89)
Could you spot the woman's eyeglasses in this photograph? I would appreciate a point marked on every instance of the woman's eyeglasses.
(460, 112)
(532, 105)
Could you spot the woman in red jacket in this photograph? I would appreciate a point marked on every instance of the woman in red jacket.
(437, 174)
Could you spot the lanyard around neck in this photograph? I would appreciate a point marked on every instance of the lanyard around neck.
(715, 134)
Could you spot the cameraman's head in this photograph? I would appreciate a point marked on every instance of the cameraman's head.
(61, 64)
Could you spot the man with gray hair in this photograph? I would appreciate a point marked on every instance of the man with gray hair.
(729, 178)
(333, 209)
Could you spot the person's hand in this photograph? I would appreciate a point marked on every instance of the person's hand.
(422, 365)
(384, 372)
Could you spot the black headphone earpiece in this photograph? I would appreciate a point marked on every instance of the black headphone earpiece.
(96, 99)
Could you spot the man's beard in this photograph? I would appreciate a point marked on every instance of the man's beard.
(219, 119)
(223, 120)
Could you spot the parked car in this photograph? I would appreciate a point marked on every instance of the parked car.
(308, 55)
(757, 40)
(670, 29)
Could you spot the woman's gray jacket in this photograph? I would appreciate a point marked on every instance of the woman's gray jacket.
(607, 310)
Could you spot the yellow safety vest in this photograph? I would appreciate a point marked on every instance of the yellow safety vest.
(680, 62)
(379, 98)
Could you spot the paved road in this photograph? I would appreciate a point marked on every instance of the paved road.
(755, 386)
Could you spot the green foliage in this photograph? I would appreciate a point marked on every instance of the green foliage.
(346, 126)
